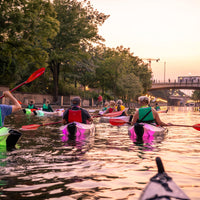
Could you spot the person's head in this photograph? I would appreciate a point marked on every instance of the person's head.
(119, 102)
(106, 104)
(144, 100)
(31, 102)
(76, 101)
(47, 101)
(112, 103)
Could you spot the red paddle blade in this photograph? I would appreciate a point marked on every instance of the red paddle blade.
(19, 102)
(35, 75)
(117, 122)
(197, 127)
(30, 127)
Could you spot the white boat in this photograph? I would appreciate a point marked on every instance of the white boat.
(77, 131)
(105, 119)
(145, 133)
(40, 112)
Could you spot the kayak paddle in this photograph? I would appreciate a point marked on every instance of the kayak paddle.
(120, 122)
(36, 126)
(196, 126)
(33, 76)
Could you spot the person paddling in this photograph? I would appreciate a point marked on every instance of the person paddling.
(47, 107)
(31, 105)
(6, 110)
(147, 114)
(76, 113)
(121, 107)
(111, 107)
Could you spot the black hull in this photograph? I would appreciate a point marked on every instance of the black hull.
(161, 186)
(12, 140)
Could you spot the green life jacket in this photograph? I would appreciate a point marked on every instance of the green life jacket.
(28, 111)
(45, 107)
(146, 115)
(4, 132)
(30, 106)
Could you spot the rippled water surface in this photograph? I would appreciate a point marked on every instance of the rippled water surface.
(107, 166)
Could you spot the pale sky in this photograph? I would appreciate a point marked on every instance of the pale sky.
(165, 29)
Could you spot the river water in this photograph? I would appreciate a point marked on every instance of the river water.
(107, 166)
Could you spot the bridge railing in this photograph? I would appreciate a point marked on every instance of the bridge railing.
(175, 85)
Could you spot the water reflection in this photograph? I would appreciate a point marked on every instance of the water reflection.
(111, 166)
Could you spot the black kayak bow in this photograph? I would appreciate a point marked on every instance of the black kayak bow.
(161, 186)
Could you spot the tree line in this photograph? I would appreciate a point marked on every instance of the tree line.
(62, 36)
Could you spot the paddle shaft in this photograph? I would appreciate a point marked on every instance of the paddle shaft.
(33, 76)
(51, 123)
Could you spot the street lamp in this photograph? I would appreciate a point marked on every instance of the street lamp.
(164, 70)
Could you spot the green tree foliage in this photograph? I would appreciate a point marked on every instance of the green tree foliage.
(196, 95)
(78, 28)
(26, 27)
(122, 73)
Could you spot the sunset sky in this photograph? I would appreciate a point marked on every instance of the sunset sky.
(165, 29)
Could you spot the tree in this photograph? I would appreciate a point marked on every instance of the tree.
(26, 27)
(78, 27)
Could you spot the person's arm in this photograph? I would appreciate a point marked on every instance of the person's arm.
(16, 106)
(135, 118)
(65, 117)
(158, 120)
(89, 118)
(50, 108)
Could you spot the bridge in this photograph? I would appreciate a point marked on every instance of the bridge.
(175, 85)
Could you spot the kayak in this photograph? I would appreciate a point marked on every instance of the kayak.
(77, 131)
(105, 119)
(40, 113)
(144, 132)
(161, 186)
(44, 113)
(8, 139)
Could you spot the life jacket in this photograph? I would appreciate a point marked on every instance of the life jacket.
(120, 107)
(45, 107)
(30, 106)
(146, 115)
(110, 110)
(74, 116)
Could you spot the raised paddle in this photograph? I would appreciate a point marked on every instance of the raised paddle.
(120, 122)
(36, 126)
(33, 76)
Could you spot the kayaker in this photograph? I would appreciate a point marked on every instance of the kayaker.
(47, 107)
(31, 105)
(121, 107)
(6, 110)
(76, 113)
(106, 105)
(157, 107)
(99, 101)
(147, 114)
(111, 107)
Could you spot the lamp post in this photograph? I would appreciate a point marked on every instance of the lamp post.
(164, 70)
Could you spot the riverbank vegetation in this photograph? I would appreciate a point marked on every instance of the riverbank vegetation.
(62, 36)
